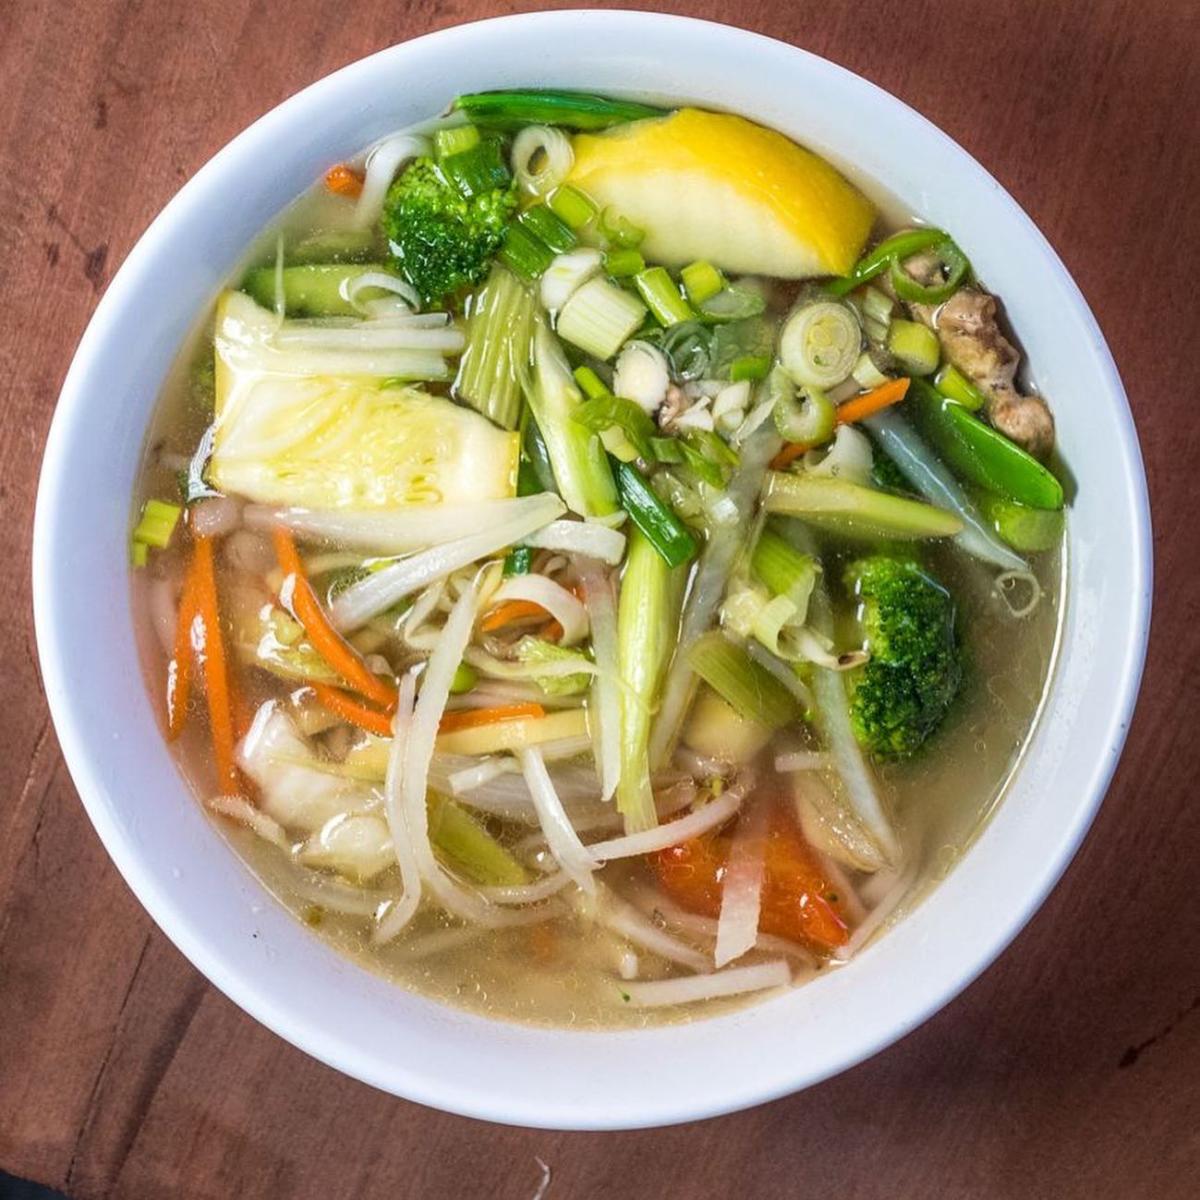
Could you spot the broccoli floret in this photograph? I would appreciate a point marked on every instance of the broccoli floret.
(900, 696)
(441, 240)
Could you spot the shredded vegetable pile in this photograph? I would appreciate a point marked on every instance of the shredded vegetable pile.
(559, 549)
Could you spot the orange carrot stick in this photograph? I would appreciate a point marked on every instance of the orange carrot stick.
(791, 451)
(179, 669)
(349, 709)
(344, 181)
(509, 611)
(297, 596)
(471, 718)
(210, 649)
(551, 631)
(867, 405)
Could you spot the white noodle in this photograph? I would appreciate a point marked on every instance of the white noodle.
(714, 813)
(581, 537)
(802, 760)
(622, 917)
(565, 608)
(741, 889)
(574, 858)
(660, 993)
(600, 601)
(382, 164)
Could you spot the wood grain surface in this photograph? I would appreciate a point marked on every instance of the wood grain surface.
(1070, 1069)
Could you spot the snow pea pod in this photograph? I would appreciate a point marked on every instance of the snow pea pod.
(575, 110)
(980, 454)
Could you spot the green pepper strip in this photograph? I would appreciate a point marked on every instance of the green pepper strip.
(980, 454)
(875, 262)
(907, 288)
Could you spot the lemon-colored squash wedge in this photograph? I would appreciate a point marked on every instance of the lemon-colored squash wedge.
(286, 437)
(718, 187)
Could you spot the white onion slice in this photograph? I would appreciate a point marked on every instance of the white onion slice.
(390, 530)
(381, 281)
(741, 889)
(581, 537)
(660, 993)
(642, 374)
(879, 916)
(483, 772)
(600, 600)
(362, 601)
(574, 858)
(715, 813)
(382, 164)
(404, 909)
(622, 917)
(565, 608)
(555, 148)
(239, 809)
(802, 760)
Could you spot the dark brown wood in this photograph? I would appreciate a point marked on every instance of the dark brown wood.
(1071, 1069)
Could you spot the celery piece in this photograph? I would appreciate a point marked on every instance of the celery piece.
(477, 170)
(856, 511)
(139, 554)
(750, 689)
(455, 140)
(592, 386)
(702, 281)
(549, 228)
(1024, 528)
(915, 345)
(784, 570)
(750, 366)
(465, 678)
(647, 629)
(469, 848)
(618, 231)
(524, 254)
(580, 465)
(621, 264)
(572, 206)
(950, 381)
(497, 351)
(660, 292)
(600, 317)
(157, 523)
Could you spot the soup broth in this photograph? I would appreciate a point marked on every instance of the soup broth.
(586, 589)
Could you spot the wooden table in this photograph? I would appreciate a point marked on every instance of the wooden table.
(1071, 1069)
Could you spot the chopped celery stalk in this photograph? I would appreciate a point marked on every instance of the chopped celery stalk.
(600, 317)
(900, 245)
(592, 386)
(660, 292)
(867, 374)
(478, 170)
(808, 422)
(647, 629)
(503, 737)
(661, 527)
(497, 351)
(820, 343)
(666, 449)
(574, 110)
(549, 228)
(139, 554)
(524, 254)
(785, 570)
(856, 511)
(702, 281)
(1026, 529)
(715, 729)
(469, 848)
(618, 444)
(621, 264)
(157, 523)
(569, 203)
(465, 677)
(608, 411)
(950, 381)
(750, 689)
(315, 290)
(980, 454)
(915, 345)
(580, 465)
(877, 306)
(455, 140)
(620, 232)
(750, 366)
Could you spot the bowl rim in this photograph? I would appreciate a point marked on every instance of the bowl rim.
(74, 736)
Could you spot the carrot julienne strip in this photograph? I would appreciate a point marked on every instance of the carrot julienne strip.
(868, 404)
(471, 718)
(349, 709)
(179, 669)
(209, 648)
(509, 611)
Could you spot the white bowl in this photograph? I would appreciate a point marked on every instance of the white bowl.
(209, 904)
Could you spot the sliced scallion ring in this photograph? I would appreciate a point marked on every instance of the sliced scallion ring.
(820, 344)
